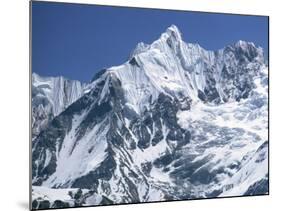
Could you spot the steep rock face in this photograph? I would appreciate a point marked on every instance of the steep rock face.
(173, 122)
(50, 96)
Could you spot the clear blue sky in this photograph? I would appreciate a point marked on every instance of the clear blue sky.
(76, 40)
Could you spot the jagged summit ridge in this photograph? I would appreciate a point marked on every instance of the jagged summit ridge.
(173, 38)
(171, 66)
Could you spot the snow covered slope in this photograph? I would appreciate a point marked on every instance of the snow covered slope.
(50, 96)
(62, 198)
(174, 122)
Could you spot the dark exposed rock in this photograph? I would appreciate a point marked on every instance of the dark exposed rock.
(45, 204)
(258, 188)
(60, 204)
(34, 204)
(146, 167)
(106, 201)
(104, 171)
(133, 61)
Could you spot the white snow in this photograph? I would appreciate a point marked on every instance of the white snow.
(52, 194)
(62, 194)
(94, 199)
(149, 154)
(59, 91)
(47, 158)
(159, 176)
(78, 157)
(252, 172)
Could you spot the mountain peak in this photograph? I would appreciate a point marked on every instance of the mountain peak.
(171, 33)
(249, 50)
(174, 31)
(244, 44)
(141, 47)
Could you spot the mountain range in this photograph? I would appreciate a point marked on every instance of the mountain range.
(173, 122)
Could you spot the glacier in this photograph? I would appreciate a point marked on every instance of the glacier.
(173, 122)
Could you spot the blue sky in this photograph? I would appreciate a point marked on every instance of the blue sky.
(76, 40)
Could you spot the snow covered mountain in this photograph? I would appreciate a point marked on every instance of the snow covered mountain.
(173, 122)
(50, 96)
